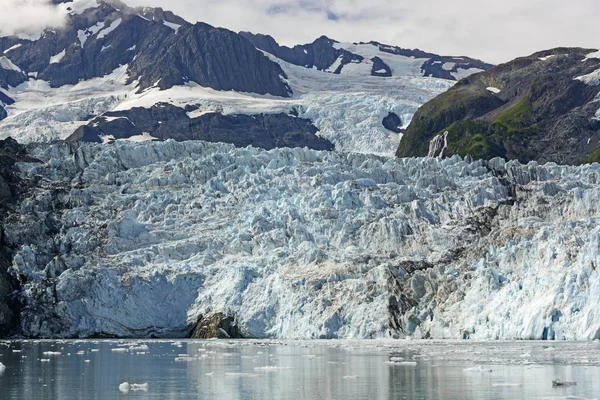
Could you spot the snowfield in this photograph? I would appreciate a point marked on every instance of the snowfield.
(348, 110)
(140, 239)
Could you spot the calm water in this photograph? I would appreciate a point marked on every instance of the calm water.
(298, 370)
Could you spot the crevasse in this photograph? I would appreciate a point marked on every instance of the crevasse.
(142, 239)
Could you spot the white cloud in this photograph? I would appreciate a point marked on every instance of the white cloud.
(28, 16)
(492, 30)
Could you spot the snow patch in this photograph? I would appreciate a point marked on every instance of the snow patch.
(594, 55)
(6, 64)
(106, 31)
(16, 46)
(493, 90)
(172, 25)
(464, 73)
(58, 58)
(591, 79)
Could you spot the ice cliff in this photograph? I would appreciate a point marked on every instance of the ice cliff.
(144, 239)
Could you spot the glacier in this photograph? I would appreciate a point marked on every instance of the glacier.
(143, 239)
(347, 110)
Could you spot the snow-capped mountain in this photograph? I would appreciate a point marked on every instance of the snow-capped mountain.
(89, 81)
(373, 58)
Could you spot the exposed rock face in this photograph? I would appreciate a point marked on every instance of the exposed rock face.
(2, 113)
(392, 122)
(216, 326)
(160, 48)
(319, 54)
(543, 107)
(211, 57)
(326, 54)
(11, 189)
(164, 121)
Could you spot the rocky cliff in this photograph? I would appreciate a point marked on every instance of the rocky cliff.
(159, 48)
(544, 107)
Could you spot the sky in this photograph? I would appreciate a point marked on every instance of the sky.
(492, 30)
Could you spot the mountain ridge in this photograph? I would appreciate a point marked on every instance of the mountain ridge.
(541, 107)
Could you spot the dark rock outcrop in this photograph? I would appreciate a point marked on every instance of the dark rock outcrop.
(436, 66)
(322, 54)
(3, 114)
(216, 326)
(212, 57)
(11, 188)
(165, 121)
(532, 108)
(159, 48)
(392, 122)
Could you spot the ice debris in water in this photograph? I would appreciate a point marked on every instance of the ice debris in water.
(301, 244)
(478, 368)
(126, 387)
(52, 353)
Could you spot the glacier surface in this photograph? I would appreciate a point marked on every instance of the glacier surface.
(348, 110)
(141, 239)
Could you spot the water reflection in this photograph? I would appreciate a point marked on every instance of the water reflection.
(298, 370)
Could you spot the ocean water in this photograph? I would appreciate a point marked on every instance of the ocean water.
(317, 370)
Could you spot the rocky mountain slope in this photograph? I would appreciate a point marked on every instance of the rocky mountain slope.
(147, 239)
(110, 59)
(372, 58)
(544, 107)
(159, 48)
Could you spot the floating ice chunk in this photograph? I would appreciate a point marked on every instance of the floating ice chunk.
(87, 361)
(402, 363)
(350, 377)
(45, 360)
(124, 387)
(139, 386)
(209, 373)
(242, 374)
(52, 353)
(2, 368)
(478, 368)
(185, 359)
(80, 353)
(271, 368)
(142, 347)
(120, 350)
